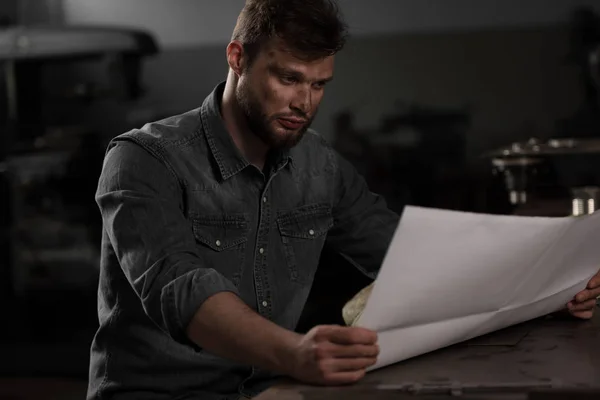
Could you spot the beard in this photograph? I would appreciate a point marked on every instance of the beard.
(263, 125)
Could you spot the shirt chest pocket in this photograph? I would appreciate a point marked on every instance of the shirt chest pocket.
(303, 233)
(222, 240)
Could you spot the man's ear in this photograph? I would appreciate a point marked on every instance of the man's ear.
(236, 57)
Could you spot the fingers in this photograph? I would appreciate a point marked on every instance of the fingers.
(592, 290)
(584, 309)
(355, 351)
(587, 294)
(583, 306)
(351, 364)
(594, 282)
(344, 378)
(583, 314)
(332, 350)
(347, 335)
(339, 371)
(342, 354)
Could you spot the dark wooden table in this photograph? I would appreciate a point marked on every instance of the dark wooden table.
(554, 357)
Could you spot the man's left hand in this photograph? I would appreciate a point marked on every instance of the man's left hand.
(583, 304)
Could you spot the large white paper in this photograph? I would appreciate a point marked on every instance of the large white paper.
(450, 276)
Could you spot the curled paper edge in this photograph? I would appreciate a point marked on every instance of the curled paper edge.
(354, 308)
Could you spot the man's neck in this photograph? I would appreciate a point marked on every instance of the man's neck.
(249, 144)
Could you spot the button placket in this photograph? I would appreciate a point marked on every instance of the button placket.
(263, 293)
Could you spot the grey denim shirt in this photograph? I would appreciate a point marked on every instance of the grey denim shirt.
(185, 216)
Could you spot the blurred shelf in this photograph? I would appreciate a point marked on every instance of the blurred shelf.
(35, 42)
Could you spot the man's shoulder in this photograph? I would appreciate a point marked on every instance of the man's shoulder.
(313, 141)
(314, 152)
(168, 133)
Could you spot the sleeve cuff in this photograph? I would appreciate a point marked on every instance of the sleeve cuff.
(182, 298)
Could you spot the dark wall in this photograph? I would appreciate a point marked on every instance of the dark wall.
(514, 83)
(8, 12)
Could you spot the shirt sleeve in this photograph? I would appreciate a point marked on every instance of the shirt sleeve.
(363, 224)
(141, 206)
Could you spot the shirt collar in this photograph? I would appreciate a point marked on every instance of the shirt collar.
(228, 157)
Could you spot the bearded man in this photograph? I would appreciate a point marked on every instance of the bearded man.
(214, 222)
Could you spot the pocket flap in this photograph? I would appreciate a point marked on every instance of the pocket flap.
(220, 232)
(306, 222)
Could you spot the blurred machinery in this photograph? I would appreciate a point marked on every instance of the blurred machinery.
(566, 166)
(551, 169)
(50, 156)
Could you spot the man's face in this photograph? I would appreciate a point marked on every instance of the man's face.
(279, 94)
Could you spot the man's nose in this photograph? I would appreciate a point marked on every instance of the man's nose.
(303, 101)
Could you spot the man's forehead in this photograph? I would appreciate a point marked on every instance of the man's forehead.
(276, 50)
(275, 46)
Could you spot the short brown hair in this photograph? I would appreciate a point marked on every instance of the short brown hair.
(311, 28)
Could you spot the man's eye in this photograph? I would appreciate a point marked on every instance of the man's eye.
(289, 80)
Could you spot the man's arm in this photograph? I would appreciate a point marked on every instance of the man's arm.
(141, 206)
(363, 224)
(228, 327)
(140, 203)
(329, 355)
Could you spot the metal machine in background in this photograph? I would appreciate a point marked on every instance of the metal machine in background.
(51, 155)
(566, 167)
(551, 169)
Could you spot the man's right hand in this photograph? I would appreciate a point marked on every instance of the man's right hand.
(334, 355)
(326, 355)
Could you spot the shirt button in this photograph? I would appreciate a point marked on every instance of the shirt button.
(261, 250)
(218, 243)
(264, 199)
(311, 232)
(264, 303)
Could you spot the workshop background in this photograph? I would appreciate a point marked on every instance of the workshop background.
(476, 105)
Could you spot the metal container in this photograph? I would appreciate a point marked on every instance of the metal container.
(585, 200)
